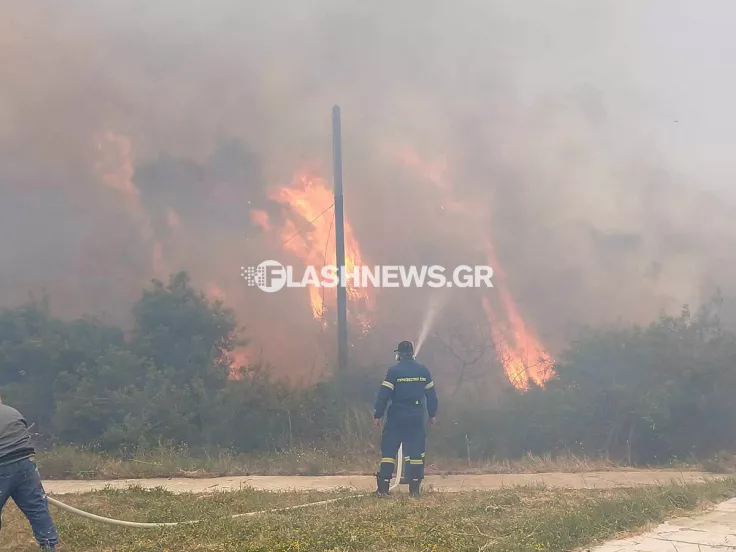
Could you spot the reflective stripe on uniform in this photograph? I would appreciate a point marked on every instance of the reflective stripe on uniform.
(430, 385)
(387, 384)
(416, 462)
(423, 454)
(387, 460)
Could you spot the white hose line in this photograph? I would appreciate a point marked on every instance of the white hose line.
(139, 524)
(111, 521)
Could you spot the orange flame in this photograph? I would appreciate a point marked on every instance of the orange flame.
(434, 171)
(239, 359)
(309, 234)
(519, 351)
(260, 219)
(214, 292)
(115, 165)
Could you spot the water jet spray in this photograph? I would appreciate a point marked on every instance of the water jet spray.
(436, 303)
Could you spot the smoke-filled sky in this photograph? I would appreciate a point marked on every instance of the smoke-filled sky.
(589, 141)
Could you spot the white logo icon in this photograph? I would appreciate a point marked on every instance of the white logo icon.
(269, 276)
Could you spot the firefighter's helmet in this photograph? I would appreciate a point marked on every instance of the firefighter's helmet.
(404, 349)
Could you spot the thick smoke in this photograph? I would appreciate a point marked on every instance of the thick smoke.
(588, 142)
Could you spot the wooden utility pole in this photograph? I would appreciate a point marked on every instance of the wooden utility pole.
(342, 299)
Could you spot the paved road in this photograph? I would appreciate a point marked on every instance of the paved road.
(450, 483)
(714, 531)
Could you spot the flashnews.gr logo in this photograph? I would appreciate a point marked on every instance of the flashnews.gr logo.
(271, 276)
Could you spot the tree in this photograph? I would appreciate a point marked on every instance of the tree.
(187, 339)
(180, 331)
(35, 348)
(96, 401)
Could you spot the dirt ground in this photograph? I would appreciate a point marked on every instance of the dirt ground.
(448, 483)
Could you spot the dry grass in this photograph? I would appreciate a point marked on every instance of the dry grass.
(76, 463)
(514, 519)
(722, 462)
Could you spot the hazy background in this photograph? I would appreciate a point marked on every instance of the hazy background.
(589, 141)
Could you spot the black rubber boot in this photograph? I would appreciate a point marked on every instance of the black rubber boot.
(414, 486)
(382, 486)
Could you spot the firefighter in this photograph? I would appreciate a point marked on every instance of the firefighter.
(407, 385)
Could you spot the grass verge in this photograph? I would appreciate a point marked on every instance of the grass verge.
(515, 519)
(66, 462)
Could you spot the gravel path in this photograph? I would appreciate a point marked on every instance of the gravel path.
(449, 483)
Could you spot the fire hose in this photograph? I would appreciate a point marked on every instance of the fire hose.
(123, 523)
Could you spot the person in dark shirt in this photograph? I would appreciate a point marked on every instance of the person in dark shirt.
(19, 477)
(409, 387)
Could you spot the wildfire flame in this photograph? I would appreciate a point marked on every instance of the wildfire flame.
(115, 165)
(214, 292)
(260, 219)
(308, 233)
(239, 359)
(519, 351)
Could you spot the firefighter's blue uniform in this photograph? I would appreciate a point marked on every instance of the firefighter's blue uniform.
(409, 386)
